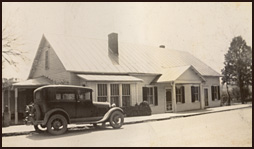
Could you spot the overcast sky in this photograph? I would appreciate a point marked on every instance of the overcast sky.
(203, 29)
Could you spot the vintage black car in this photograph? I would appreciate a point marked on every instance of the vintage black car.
(56, 106)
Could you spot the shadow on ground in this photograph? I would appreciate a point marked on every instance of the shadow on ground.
(71, 132)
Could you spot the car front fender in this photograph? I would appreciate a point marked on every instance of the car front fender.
(108, 114)
(57, 110)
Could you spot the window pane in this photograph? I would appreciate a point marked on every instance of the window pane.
(58, 96)
(114, 89)
(68, 96)
(102, 92)
(85, 95)
(126, 89)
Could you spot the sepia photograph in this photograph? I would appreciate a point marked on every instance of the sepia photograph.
(126, 74)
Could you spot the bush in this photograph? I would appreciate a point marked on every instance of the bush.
(224, 98)
(142, 109)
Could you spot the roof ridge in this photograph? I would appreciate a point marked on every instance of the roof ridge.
(124, 42)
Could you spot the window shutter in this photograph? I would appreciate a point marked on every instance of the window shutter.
(218, 92)
(155, 96)
(192, 94)
(183, 100)
(145, 91)
(199, 94)
(212, 92)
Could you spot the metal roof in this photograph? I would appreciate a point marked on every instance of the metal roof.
(173, 73)
(34, 82)
(79, 54)
(110, 78)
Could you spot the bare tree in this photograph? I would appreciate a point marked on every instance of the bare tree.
(11, 47)
(11, 43)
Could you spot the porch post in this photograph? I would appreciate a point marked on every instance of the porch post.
(202, 99)
(16, 105)
(136, 87)
(174, 96)
(9, 102)
(2, 102)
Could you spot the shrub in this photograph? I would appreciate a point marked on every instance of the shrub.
(138, 110)
(224, 98)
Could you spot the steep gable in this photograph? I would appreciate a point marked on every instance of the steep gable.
(55, 67)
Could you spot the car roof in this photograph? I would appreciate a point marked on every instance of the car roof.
(61, 86)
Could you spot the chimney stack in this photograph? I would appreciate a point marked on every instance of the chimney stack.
(113, 43)
(162, 46)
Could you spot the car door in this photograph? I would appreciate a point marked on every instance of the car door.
(85, 107)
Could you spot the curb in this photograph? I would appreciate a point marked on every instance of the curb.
(173, 117)
(134, 122)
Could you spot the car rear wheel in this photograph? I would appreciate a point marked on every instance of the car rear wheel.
(57, 124)
(40, 128)
(116, 119)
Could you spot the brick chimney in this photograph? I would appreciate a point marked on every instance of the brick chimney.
(113, 43)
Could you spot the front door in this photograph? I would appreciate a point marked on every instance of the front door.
(206, 96)
(168, 100)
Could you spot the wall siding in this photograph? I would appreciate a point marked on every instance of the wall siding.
(188, 105)
(56, 71)
(189, 75)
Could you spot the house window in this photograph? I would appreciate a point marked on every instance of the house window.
(126, 95)
(195, 93)
(114, 94)
(46, 59)
(215, 92)
(180, 94)
(102, 93)
(150, 95)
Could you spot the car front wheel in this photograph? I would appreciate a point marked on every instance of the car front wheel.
(40, 128)
(116, 119)
(57, 124)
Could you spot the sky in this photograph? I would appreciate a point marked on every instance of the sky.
(203, 29)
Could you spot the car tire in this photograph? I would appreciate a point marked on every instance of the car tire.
(40, 128)
(116, 119)
(57, 124)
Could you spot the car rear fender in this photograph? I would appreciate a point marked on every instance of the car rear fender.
(56, 111)
(108, 114)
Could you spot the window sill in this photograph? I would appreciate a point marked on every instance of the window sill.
(179, 103)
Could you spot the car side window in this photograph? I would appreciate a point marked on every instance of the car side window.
(84, 95)
(64, 95)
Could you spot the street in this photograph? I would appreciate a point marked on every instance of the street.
(230, 128)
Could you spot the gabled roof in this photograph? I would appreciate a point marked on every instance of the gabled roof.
(79, 54)
(173, 73)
